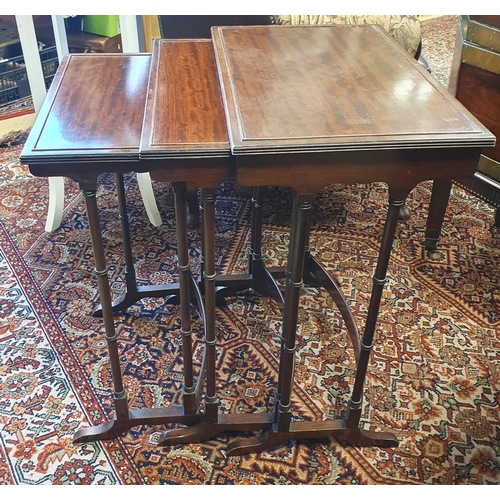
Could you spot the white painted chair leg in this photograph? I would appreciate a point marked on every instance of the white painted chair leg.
(56, 184)
(56, 203)
(148, 197)
(29, 44)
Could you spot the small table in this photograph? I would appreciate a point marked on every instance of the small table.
(185, 130)
(308, 106)
(91, 123)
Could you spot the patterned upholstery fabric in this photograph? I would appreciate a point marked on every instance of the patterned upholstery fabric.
(404, 29)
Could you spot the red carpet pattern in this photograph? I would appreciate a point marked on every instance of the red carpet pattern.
(17, 108)
(434, 378)
(438, 43)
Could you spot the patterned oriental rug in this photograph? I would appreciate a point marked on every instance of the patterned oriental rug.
(434, 376)
(17, 108)
(15, 133)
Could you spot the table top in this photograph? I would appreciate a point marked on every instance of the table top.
(184, 116)
(184, 136)
(93, 112)
(183, 112)
(294, 89)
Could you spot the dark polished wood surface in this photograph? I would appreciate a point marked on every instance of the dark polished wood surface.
(94, 110)
(311, 88)
(184, 114)
(312, 105)
(185, 139)
(283, 131)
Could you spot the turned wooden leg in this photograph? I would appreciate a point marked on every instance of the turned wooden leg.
(185, 295)
(293, 284)
(353, 413)
(101, 271)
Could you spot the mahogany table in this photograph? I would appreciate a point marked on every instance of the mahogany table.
(91, 123)
(308, 106)
(184, 120)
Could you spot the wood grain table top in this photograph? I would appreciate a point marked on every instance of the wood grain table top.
(184, 115)
(292, 89)
(93, 111)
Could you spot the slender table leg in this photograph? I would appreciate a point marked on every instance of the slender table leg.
(294, 282)
(189, 391)
(133, 292)
(124, 418)
(209, 276)
(257, 277)
(441, 190)
(353, 412)
(212, 423)
(283, 428)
